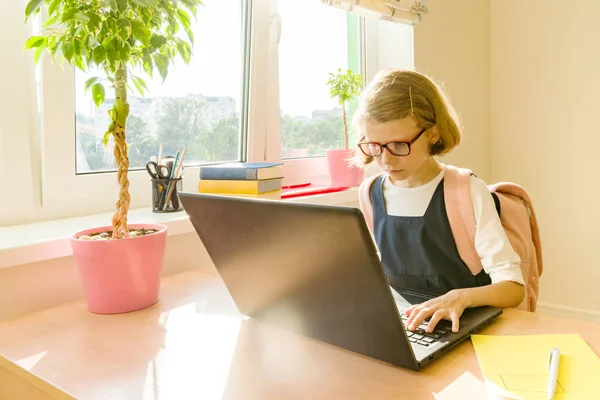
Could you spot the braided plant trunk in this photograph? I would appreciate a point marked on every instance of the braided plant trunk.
(117, 129)
(345, 126)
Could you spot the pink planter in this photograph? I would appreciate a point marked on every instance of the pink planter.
(340, 173)
(120, 275)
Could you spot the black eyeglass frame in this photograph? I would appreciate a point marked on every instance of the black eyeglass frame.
(385, 145)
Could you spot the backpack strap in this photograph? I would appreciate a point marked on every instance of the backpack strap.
(459, 207)
(514, 189)
(364, 200)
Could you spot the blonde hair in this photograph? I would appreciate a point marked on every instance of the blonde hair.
(395, 94)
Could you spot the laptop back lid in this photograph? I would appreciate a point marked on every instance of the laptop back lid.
(311, 269)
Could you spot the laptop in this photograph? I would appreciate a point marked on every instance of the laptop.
(314, 270)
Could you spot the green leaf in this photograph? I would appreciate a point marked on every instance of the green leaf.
(140, 84)
(53, 6)
(191, 3)
(99, 55)
(162, 64)
(81, 17)
(34, 41)
(124, 28)
(111, 59)
(156, 41)
(53, 46)
(193, 10)
(98, 93)
(69, 14)
(93, 80)
(110, 3)
(95, 24)
(184, 18)
(68, 51)
(49, 22)
(107, 42)
(190, 34)
(146, 15)
(148, 65)
(106, 137)
(140, 32)
(78, 62)
(77, 45)
(32, 8)
(173, 27)
(39, 53)
(184, 50)
(125, 52)
(144, 3)
(121, 5)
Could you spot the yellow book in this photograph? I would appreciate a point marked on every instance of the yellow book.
(516, 367)
(240, 187)
(274, 195)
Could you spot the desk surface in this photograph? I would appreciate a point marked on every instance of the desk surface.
(194, 344)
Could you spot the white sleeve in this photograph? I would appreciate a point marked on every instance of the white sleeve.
(498, 257)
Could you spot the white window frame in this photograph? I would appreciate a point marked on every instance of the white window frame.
(312, 170)
(37, 160)
(19, 144)
(84, 193)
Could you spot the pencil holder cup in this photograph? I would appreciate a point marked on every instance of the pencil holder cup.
(165, 195)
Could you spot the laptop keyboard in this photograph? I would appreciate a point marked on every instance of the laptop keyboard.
(419, 336)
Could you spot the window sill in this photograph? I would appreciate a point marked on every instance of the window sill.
(28, 243)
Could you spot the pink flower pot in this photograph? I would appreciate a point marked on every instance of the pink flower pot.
(120, 275)
(340, 172)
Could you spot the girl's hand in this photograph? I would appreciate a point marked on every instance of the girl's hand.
(449, 306)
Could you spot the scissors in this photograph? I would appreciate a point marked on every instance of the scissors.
(157, 171)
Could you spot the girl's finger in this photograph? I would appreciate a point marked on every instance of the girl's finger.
(455, 321)
(415, 310)
(412, 308)
(425, 312)
(439, 314)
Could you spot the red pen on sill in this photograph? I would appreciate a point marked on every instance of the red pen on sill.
(299, 185)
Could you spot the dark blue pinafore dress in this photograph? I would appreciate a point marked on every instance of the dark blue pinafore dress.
(419, 253)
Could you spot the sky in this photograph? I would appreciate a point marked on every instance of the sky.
(313, 43)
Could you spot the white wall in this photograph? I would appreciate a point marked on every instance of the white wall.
(452, 46)
(545, 58)
(525, 77)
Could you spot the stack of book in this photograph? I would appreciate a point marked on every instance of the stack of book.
(246, 179)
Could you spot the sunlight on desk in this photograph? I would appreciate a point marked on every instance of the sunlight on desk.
(29, 362)
(197, 348)
(194, 344)
(465, 387)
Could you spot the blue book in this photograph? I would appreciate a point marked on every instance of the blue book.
(242, 171)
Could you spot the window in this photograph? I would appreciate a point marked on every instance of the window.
(198, 105)
(213, 85)
(311, 121)
(258, 65)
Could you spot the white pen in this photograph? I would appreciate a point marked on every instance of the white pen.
(553, 371)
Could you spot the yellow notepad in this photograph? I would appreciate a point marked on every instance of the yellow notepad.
(516, 367)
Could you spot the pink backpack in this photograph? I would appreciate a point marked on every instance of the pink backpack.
(517, 216)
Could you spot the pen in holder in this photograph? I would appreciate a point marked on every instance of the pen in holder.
(160, 194)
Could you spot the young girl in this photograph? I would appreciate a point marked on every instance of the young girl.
(405, 121)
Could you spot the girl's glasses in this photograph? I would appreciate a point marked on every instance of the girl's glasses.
(374, 149)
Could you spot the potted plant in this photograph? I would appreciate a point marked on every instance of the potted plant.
(120, 264)
(344, 87)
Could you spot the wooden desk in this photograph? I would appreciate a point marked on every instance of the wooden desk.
(194, 345)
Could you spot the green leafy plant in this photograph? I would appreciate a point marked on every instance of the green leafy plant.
(344, 86)
(116, 37)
